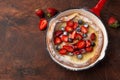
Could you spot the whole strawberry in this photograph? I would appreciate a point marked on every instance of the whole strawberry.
(51, 12)
(113, 22)
(39, 12)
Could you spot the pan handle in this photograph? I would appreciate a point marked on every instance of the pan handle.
(97, 9)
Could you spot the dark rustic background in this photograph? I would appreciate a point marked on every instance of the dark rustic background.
(23, 54)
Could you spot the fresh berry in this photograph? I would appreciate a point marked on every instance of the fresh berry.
(84, 35)
(84, 29)
(64, 38)
(58, 33)
(75, 25)
(65, 33)
(113, 22)
(57, 40)
(70, 23)
(70, 40)
(88, 43)
(82, 51)
(51, 12)
(69, 29)
(80, 22)
(76, 52)
(78, 29)
(92, 43)
(43, 24)
(86, 25)
(69, 48)
(57, 47)
(39, 12)
(62, 28)
(79, 56)
(63, 51)
(78, 36)
(72, 35)
(93, 36)
(70, 54)
(81, 44)
(89, 49)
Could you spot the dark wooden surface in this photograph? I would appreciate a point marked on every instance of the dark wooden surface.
(23, 54)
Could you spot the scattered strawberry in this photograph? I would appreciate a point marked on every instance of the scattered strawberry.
(69, 48)
(88, 43)
(78, 36)
(72, 35)
(51, 12)
(58, 33)
(63, 51)
(39, 12)
(75, 25)
(68, 29)
(89, 49)
(57, 40)
(64, 38)
(76, 52)
(70, 23)
(84, 29)
(93, 36)
(43, 24)
(113, 22)
(81, 44)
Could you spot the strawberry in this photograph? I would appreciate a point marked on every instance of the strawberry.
(39, 12)
(69, 48)
(58, 33)
(43, 24)
(89, 49)
(78, 36)
(76, 52)
(88, 43)
(57, 40)
(75, 25)
(68, 29)
(81, 44)
(64, 38)
(63, 51)
(93, 36)
(84, 29)
(72, 35)
(113, 22)
(51, 12)
(70, 23)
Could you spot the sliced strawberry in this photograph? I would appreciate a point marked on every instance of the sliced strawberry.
(76, 53)
(51, 12)
(70, 23)
(81, 44)
(84, 29)
(75, 25)
(63, 51)
(89, 49)
(72, 35)
(93, 36)
(58, 33)
(78, 36)
(43, 24)
(57, 40)
(69, 48)
(64, 38)
(39, 12)
(88, 43)
(68, 29)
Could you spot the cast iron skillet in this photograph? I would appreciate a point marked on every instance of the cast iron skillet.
(92, 14)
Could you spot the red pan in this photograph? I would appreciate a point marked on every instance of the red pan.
(93, 14)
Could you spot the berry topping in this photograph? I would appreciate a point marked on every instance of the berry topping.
(93, 36)
(78, 29)
(84, 29)
(78, 36)
(64, 38)
(69, 48)
(57, 47)
(65, 33)
(80, 22)
(81, 44)
(70, 40)
(89, 49)
(58, 33)
(57, 40)
(43, 24)
(82, 51)
(76, 52)
(62, 28)
(70, 54)
(70, 23)
(88, 43)
(79, 56)
(75, 25)
(84, 35)
(92, 43)
(72, 35)
(86, 25)
(63, 51)
(69, 29)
